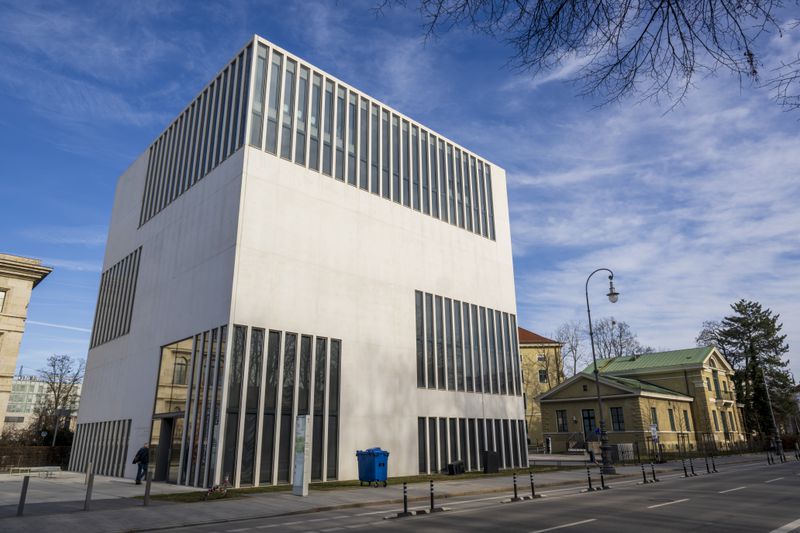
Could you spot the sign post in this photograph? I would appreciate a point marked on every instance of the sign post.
(302, 455)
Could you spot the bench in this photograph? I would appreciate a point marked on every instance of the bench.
(43, 471)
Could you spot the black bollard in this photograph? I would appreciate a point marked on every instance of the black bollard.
(769, 458)
(644, 476)
(589, 477)
(405, 502)
(516, 496)
(708, 470)
(432, 506)
(653, 471)
(691, 466)
(602, 480)
(713, 464)
(23, 495)
(683, 462)
(533, 487)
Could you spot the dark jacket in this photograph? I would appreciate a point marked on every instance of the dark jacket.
(142, 456)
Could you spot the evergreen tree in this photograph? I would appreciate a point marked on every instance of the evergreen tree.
(751, 340)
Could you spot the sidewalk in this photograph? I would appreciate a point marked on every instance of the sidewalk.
(127, 514)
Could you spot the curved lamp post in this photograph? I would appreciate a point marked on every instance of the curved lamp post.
(613, 296)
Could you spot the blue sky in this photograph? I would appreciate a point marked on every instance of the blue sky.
(693, 208)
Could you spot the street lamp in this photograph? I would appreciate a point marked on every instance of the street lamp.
(777, 437)
(613, 296)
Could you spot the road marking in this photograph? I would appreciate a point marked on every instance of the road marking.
(791, 526)
(565, 525)
(731, 490)
(235, 530)
(776, 479)
(668, 503)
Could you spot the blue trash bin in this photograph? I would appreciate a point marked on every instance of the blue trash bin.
(373, 466)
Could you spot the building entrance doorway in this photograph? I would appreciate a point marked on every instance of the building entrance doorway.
(165, 444)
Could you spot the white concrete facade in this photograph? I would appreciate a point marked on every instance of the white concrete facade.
(265, 242)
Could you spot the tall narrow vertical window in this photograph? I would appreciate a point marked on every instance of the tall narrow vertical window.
(448, 327)
(671, 415)
(501, 354)
(476, 348)
(482, 435)
(469, 369)
(459, 189)
(473, 445)
(490, 200)
(462, 441)
(430, 354)
(288, 109)
(314, 125)
(443, 183)
(716, 421)
(434, 178)
(320, 370)
(406, 167)
(515, 353)
(302, 113)
(443, 441)
(492, 351)
(341, 121)
(257, 118)
(515, 442)
(251, 406)
(352, 138)
(217, 407)
(363, 150)
(432, 447)
(476, 208)
(415, 167)
(482, 187)
(426, 200)
(467, 193)
(441, 382)
(455, 216)
(270, 402)
(327, 130)
(234, 402)
(395, 158)
(386, 190)
(375, 152)
(459, 341)
(333, 410)
(274, 102)
(304, 376)
(420, 340)
(686, 420)
(511, 369)
(487, 369)
(422, 442)
(287, 405)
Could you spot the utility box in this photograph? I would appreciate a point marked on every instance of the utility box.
(490, 461)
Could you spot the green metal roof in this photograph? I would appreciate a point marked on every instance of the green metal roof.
(627, 363)
(641, 385)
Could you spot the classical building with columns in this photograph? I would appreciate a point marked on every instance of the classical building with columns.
(18, 277)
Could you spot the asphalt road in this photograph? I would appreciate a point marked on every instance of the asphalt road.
(742, 498)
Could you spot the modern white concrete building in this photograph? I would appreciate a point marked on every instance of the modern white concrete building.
(290, 246)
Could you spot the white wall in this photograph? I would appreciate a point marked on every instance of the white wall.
(184, 287)
(321, 257)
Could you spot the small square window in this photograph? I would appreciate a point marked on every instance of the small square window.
(542, 376)
(585, 388)
(541, 357)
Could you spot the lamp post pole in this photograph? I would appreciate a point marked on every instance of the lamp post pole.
(605, 449)
(778, 441)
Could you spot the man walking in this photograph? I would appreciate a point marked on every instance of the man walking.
(141, 458)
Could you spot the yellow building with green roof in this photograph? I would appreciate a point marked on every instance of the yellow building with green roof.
(670, 401)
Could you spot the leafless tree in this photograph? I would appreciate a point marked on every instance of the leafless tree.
(623, 47)
(572, 335)
(615, 339)
(61, 374)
